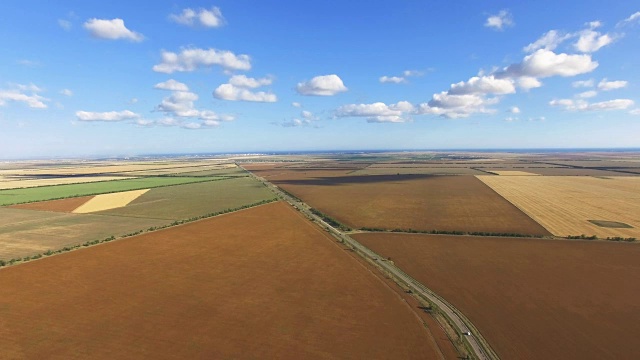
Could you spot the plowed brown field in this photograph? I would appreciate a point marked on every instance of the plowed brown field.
(420, 202)
(261, 283)
(62, 205)
(531, 298)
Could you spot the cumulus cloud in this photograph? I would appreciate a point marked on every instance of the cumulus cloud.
(191, 59)
(27, 94)
(592, 41)
(180, 105)
(545, 63)
(378, 112)
(108, 116)
(171, 85)
(202, 17)
(235, 93)
(249, 83)
(240, 88)
(392, 79)
(324, 85)
(549, 41)
(582, 83)
(587, 94)
(527, 83)
(500, 20)
(66, 92)
(635, 112)
(583, 105)
(631, 19)
(296, 104)
(294, 123)
(113, 29)
(514, 110)
(605, 85)
(457, 106)
(483, 85)
(400, 79)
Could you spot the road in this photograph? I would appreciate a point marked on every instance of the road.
(460, 322)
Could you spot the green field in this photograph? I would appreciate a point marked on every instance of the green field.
(19, 196)
(185, 201)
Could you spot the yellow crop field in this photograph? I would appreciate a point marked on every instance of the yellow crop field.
(512, 173)
(109, 201)
(14, 184)
(565, 204)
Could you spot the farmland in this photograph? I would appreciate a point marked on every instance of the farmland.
(564, 205)
(531, 298)
(419, 202)
(33, 228)
(218, 288)
(17, 196)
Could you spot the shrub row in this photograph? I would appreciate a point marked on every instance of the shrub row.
(594, 237)
(451, 232)
(329, 220)
(111, 238)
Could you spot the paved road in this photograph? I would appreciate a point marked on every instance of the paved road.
(459, 321)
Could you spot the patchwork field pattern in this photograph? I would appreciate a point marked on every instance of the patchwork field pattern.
(13, 183)
(16, 196)
(531, 298)
(261, 283)
(419, 202)
(564, 205)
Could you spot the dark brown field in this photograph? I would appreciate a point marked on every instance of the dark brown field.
(257, 284)
(420, 202)
(62, 205)
(531, 298)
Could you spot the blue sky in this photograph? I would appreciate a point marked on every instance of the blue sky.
(84, 78)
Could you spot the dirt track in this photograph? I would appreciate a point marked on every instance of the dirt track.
(531, 298)
(261, 283)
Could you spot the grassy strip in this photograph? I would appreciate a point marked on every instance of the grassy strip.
(57, 192)
(594, 237)
(111, 238)
(447, 232)
(329, 220)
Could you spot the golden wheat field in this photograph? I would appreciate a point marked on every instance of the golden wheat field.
(565, 204)
(109, 201)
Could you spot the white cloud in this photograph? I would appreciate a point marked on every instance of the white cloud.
(582, 105)
(65, 24)
(66, 92)
(635, 16)
(113, 29)
(249, 83)
(500, 20)
(594, 24)
(483, 85)
(235, 93)
(203, 17)
(296, 104)
(545, 63)
(29, 63)
(106, 116)
(27, 94)
(582, 83)
(611, 85)
(391, 79)
(527, 83)
(171, 85)
(324, 85)
(180, 103)
(307, 115)
(378, 112)
(514, 110)
(144, 122)
(400, 79)
(548, 41)
(635, 112)
(592, 41)
(587, 94)
(511, 119)
(456, 106)
(294, 123)
(191, 59)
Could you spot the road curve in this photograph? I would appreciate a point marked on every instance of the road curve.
(476, 342)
